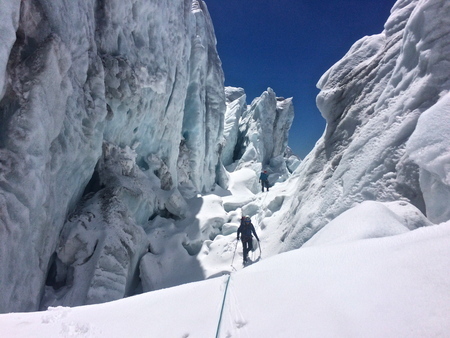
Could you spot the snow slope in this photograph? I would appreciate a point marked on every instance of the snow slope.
(393, 286)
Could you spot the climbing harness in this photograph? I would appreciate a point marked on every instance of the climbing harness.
(223, 305)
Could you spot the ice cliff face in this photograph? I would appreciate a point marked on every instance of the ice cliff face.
(107, 103)
(112, 118)
(386, 106)
(257, 135)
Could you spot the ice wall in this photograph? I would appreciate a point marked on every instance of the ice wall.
(256, 135)
(106, 107)
(385, 91)
(236, 100)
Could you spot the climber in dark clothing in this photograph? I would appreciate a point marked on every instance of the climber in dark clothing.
(264, 180)
(245, 233)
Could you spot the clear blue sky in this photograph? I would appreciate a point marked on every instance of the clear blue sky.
(287, 45)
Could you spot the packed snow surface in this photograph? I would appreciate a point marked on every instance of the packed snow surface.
(393, 286)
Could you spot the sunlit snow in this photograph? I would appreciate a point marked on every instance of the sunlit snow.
(394, 286)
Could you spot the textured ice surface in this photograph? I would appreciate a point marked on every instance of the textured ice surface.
(429, 147)
(372, 100)
(264, 128)
(135, 83)
(9, 20)
(256, 135)
(236, 106)
(113, 118)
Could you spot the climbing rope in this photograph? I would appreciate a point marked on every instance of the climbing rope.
(226, 286)
(264, 198)
(229, 277)
(261, 209)
(223, 305)
(260, 251)
(234, 255)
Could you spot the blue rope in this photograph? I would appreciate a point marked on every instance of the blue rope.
(234, 255)
(223, 305)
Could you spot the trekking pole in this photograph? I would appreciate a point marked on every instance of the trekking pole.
(235, 248)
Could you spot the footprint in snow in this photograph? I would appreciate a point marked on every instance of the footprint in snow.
(240, 323)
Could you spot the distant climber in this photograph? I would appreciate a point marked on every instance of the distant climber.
(245, 233)
(264, 180)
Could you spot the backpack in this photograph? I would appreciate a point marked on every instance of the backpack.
(246, 228)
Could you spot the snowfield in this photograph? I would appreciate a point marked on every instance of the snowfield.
(394, 286)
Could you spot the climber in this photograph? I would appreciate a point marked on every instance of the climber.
(245, 233)
(264, 180)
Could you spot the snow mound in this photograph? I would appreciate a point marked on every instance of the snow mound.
(370, 220)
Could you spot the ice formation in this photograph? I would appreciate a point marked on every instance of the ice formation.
(107, 108)
(113, 117)
(262, 131)
(386, 107)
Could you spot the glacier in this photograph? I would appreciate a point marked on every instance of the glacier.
(103, 106)
(126, 164)
(113, 116)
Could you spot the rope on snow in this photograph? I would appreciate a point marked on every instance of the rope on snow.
(235, 248)
(223, 305)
